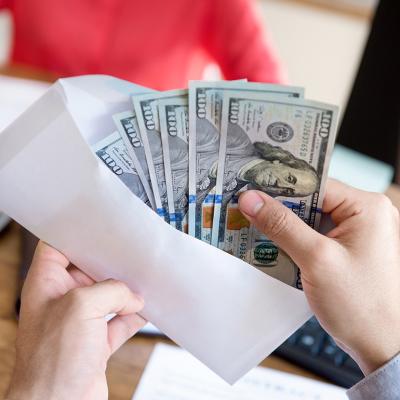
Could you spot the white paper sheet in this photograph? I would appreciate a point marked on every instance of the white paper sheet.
(225, 312)
(173, 374)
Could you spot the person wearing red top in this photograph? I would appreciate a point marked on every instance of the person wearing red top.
(156, 43)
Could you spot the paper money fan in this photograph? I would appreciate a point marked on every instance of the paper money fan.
(222, 310)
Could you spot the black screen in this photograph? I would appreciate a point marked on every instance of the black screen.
(371, 123)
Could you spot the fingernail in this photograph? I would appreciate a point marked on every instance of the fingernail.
(250, 203)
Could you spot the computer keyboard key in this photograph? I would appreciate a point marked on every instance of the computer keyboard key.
(350, 364)
(330, 351)
(306, 341)
(312, 348)
(311, 342)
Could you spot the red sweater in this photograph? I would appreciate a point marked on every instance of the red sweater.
(157, 43)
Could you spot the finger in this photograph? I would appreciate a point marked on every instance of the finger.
(47, 277)
(122, 327)
(79, 277)
(281, 225)
(48, 257)
(342, 201)
(348, 205)
(104, 298)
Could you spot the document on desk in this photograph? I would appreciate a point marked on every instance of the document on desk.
(173, 374)
(224, 311)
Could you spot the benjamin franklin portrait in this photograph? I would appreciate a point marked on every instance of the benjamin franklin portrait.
(259, 165)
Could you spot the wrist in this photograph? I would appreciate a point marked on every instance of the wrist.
(24, 390)
(17, 394)
(373, 359)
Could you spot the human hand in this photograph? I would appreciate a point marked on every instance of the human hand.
(351, 276)
(64, 342)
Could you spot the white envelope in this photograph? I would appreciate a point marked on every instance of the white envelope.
(222, 310)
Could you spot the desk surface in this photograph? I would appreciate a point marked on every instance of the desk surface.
(21, 71)
(126, 365)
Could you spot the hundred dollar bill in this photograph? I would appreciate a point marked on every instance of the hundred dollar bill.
(174, 124)
(146, 108)
(128, 129)
(281, 146)
(113, 152)
(205, 105)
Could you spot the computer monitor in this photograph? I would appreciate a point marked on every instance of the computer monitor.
(371, 122)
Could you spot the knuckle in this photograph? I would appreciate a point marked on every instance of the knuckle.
(383, 202)
(118, 285)
(275, 223)
(75, 299)
(379, 208)
(396, 213)
(120, 288)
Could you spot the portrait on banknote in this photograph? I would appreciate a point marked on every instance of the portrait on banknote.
(264, 167)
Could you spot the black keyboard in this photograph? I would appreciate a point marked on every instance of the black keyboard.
(4, 221)
(313, 349)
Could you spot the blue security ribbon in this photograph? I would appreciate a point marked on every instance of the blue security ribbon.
(172, 217)
(209, 198)
(161, 212)
(218, 199)
(297, 206)
(192, 199)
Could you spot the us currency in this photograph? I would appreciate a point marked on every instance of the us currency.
(146, 108)
(278, 145)
(174, 125)
(205, 105)
(113, 152)
(129, 131)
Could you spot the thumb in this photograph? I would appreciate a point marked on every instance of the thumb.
(281, 225)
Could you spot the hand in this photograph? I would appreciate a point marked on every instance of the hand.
(64, 341)
(351, 276)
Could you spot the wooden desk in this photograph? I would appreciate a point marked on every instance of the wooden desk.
(21, 71)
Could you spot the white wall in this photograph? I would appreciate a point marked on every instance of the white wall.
(319, 48)
(361, 4)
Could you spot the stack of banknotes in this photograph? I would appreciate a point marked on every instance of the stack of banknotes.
(189, 154)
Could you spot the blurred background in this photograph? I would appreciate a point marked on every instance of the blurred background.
(318, 41)
(344, 52)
